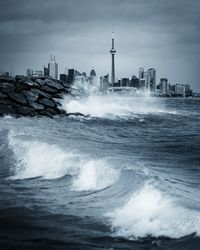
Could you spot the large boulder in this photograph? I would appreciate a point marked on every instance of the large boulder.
(53, 84)
(18, 97)
(47, 102)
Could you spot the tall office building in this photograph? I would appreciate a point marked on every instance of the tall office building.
(71, 74)
(92, 78)
(53, 68)
(151, 79)
(29, 72)
(104, 84)
(163, 86)
(134, 82)
(113, 52)
(141, 73)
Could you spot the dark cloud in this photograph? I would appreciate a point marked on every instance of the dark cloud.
(157, 33)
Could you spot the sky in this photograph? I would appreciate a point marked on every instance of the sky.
(148, 33)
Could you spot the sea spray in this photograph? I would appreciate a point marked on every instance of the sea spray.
(150, 212)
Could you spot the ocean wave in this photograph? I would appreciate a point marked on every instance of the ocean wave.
(150, 212)
(114, 106)
(39, 159)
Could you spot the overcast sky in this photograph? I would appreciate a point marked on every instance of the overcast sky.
(148, 33)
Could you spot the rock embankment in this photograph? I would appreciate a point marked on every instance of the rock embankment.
(32, 96)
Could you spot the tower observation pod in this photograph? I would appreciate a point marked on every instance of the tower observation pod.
(113, 52)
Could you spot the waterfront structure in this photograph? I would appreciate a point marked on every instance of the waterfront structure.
(63, 77)
(134, 82)
(141, 73)
(53, 68)
(92, 78)
(46, 72)
(29, 72)
(71, 73)
(113, 52)
(163, 85)
(38, 73)
(124, 82)
(104, 84)
(180, 90)
(151, 79)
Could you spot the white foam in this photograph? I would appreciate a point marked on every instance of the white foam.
(39, 159)
(95, 175)
(114, 105)
(149, 212)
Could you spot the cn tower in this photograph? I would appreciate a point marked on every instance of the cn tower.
(113, 52)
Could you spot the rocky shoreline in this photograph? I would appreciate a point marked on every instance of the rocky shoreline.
(35, 96)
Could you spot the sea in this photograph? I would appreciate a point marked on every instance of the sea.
(126, 175)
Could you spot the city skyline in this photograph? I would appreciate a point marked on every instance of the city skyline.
(80, 37)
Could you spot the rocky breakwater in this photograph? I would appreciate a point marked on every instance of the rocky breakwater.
(36, 96)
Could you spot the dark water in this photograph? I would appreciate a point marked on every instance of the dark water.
(128, 177)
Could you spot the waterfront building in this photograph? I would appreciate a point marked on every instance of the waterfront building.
(53, 68)
(92, 78)
(38, 73)
(63, 77)
(151, 79)
(71, 73)
(29, 72)
(104, 84)
(180, 90)
(134, 82)
(125, 82)
(46, 71)
(141, 73)
(163, 86)
(113, 52)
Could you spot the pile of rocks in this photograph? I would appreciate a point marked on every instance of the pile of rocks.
(32, 96)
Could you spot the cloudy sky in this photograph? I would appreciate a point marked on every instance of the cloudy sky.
(148, 33)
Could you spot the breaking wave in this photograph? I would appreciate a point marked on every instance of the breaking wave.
(38, 159)
(112, 106)
(150, 212)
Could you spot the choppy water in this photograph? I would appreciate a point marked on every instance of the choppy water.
(126, 177)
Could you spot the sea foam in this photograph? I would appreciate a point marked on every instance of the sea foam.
(40, 159)
(149, 212)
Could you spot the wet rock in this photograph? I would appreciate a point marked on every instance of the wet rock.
(37, 106)
(40, 93)
(18, 97)
(49, 89)
(53, 84)
(47, 102)
(30, 96)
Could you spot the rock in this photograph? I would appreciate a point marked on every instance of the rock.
(39, 81)
(27, 111)
(18, 97)
(47, 102)
(30, 96)
(49, 89)
(36, 106)
(53, 84)
(77, 114)
(7, 110)
(7, 87)
(40, 93)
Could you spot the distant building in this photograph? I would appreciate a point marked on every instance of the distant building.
(63, 77)
(188, 91)
(125, 82)
(151, 79)
(71, 73)
(46, 72)
(29, 72)
(92, 78)
(38, 73)
(53, 68)
(141, 73)
(163, 85)
(134, 82)
(180, 90)
(104, 84)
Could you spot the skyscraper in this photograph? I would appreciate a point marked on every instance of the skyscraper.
(151, 79)
(53, 68)
(113, 52)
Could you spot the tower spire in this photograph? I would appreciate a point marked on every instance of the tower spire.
(113, 52)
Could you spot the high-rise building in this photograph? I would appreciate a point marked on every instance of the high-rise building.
(63, 77)
(134, 82)
(180, 90)
(92, 78)
(151, 79)
(71, 73)
(125, 82)
(113, 52)
(53, 68)
(46, 72)
(104, 84)
(29, 72)
(163, 86)
(38, 73)
(141, 73)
